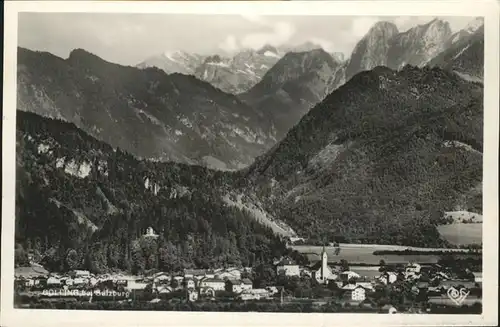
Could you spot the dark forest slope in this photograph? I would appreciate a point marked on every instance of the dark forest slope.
(81, 204)
(379, 159)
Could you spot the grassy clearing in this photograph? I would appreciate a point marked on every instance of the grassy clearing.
(462, 234)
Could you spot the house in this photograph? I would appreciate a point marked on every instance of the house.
(31, 282)
(458, 284)
(189, 283)
(53, 281)
(348, 275)
(197, 273)
(388, 277)
(179, 279)
(207, 291)
(248, 296)
(93, 281)
(162, 289)
(294, 239)
(368, 286)
(246, 284)
(413, 268)
(287, 268)
(272, 289)
(255, 294)
(79, 281)
(216, 284)
(80, 274)
(150, 232)
(478, 277)
(230, 273)
(136, 284)
(192, 295)
(161, 277)
(238, 286)
(354, 293)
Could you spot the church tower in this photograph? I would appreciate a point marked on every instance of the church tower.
(324, 263)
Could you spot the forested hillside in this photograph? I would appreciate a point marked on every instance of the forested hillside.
(379, 159)
(79, 203)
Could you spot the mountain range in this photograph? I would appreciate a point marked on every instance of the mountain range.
(342, 150)
(384, 45)
(155, 115)
(377, 161)
(143, 111)
(287, 94)
(232, 74)
(293, 85)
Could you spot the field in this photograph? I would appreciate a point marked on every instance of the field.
(458, 233)
(363, 253)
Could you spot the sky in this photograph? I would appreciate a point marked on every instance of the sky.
(128, 39)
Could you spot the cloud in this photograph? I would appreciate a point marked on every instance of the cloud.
(230, 44)
(275, 33)
(278, 33)
(360, 26)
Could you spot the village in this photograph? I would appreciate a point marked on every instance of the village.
(387, 288)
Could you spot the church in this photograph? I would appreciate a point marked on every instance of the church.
(321, 271)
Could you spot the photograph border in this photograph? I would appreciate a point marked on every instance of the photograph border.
(28, 317)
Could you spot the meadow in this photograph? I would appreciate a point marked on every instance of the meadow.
(462, 234)
(362, 254)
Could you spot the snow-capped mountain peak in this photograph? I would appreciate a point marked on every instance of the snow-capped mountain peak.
(269, 49)
(173, 62)
(271, 54)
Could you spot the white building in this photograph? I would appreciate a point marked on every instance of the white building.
(53, 281)
(80, 273)
(255, 294)
(189, 283)
(192, 295)
(413, 268)
(136, 285)
(388, 277)
(215, 283)
(354, 292)
(239, 286)
(230, 273)
(150, 232)
(348, 275)
(288, 268)
(80, 281)
(321, 271)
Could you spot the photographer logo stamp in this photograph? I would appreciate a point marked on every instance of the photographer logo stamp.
(458, 296)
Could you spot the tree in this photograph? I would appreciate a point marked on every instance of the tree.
(344, 265)
(265, 275)
(20, 256)
(72, 260)
(174, 283)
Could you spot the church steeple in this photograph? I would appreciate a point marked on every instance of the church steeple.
(324, 262)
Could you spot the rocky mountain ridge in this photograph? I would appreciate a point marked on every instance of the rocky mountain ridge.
(384, 45)
(144, 111)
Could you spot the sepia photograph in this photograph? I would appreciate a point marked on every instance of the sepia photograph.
(249, 162)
